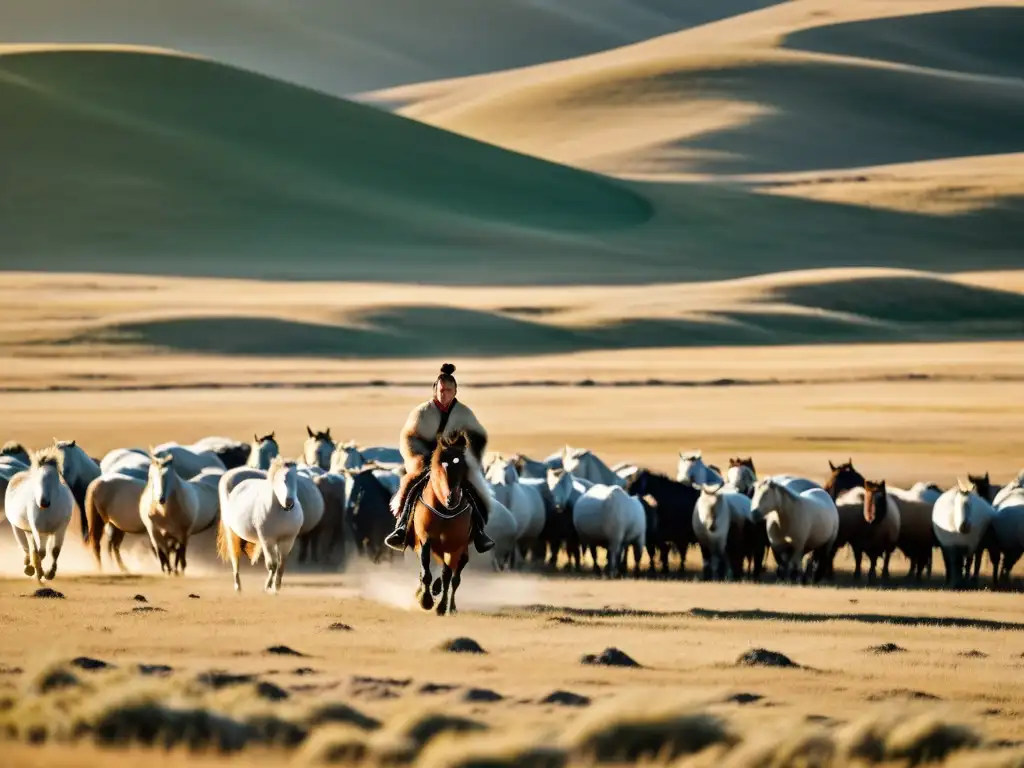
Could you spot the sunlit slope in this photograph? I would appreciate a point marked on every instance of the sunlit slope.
(356, 45)
(125, 161)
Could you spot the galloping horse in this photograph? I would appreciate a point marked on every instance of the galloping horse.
(442, 522)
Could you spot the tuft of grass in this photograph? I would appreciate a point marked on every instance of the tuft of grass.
(639, 732)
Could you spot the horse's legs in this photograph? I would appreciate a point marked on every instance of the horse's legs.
(56, 542)
(446, 583)
(423, 593)
(22, 538)
(885, 566)
(283, 550)
(872, 566)
(857, 555)
(638, 554)
(37, 559)
(456, 580)
(269, 553)
(181, 560)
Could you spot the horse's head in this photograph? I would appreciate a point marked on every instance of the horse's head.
(876, 502)
(982, 485)
(765, 498)
(266, 451)
(16, 450)
(637, 484)
(741, 475)
(161, 471)
(448, 467)
(572, 458)
(844, 478)
(284, 480)
(963, 514)
(709, 507)
(690, 467)
(47, 466)
(318, 448)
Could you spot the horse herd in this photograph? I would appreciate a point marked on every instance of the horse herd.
(337, 495)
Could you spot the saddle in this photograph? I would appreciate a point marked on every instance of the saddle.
(416, 493)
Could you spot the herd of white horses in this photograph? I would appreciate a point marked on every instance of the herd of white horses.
(254, 502)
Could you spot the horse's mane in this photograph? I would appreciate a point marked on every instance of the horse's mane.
(278, 464)
(325, 435)
(12, 447)
(741, 462)
(51, 454)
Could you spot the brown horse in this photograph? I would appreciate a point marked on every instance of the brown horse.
(442, 522)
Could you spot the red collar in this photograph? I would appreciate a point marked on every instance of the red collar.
(441, 408)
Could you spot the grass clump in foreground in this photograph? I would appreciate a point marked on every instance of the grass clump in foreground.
(123, 708)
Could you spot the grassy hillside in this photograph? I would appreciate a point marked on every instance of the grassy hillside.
(135, 161)
(345, 47)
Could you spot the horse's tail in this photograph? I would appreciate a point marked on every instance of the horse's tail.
(251, 549)
(92, 521)
(223, 542)
(82, 502)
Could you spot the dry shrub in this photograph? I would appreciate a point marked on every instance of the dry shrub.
(630, 732)
(908, 736)
(402, 739)
(333, 744)
(340, 714)
(487, 750)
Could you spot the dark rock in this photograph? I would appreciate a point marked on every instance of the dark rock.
(46, 592)
(148, 609)
(140, 599)
(193, 596)
(973, 654)
(84, 662)
(339, 627)
(461, 645)
(566, 699)
(217, 679)
(428, 688)
(154, 669)
(270, 692)
(304, 671)
(283, 650)
(481, 695)
(759, 657)
(56, 679)
(745, 698)
(610, 657)
(886, 648)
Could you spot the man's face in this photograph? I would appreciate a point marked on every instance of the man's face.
(445, 393)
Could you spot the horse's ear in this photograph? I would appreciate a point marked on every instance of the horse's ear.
(272, 434)
(986, 478)
(74, 442)
(309, 431)
(327, 432)
(255, 439)
(849, 461)
(831, 465)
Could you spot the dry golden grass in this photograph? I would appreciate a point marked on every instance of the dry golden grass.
(842, 698)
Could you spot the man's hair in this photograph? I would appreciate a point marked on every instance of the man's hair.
(446, 376)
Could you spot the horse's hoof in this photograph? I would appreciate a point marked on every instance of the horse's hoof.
(436, 589)
(426, 600)
(51, 575)
(30, 571)
(441, 609)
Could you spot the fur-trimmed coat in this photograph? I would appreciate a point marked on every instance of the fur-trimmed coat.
(419, 435)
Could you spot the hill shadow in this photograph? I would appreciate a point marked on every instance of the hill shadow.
(417, 331)
(840, 115)
(979, 41)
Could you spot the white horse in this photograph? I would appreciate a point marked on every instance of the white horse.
(9, 467)
(717, 513)
(582, 462)
(205, 484)
(39, 505)
(960, 519)
(78, 470)
(798, 523)
(264, 450)
(260, 515)
(924, 490)
(188, 463)
(1008, 526)
(350, 456)
(318, 448)
(125, 458)
(607, 516)
(15, 450)
(112, 506)
(740, 477)
(168, 508)
(1013, 487)
(692, 469)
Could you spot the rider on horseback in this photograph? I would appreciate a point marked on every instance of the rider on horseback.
(428, 421)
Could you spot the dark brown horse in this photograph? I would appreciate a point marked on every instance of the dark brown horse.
(442, 522)
(844, 478)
